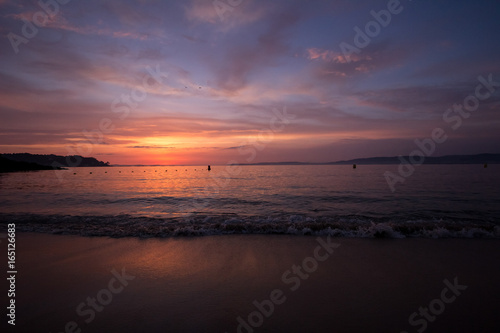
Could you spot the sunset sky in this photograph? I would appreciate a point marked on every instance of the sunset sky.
(227, 73)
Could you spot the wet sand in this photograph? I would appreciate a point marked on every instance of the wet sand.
(217, 284)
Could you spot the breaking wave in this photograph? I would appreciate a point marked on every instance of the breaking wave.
(338, 226)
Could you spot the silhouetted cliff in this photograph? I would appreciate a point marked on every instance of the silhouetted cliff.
(7, 165)
(56, 160)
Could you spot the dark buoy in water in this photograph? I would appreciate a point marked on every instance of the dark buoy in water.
(485, 165)
(74, 173)
(105, 172)
(354, 166)
(91, 173)
(119, 172)
(209, 168)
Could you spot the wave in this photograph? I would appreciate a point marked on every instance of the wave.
(224, 224)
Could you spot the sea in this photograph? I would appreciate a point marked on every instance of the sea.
(436, 201)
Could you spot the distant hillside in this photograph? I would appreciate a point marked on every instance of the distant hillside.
(275, 163)
(56, 160)
(7, 165)
(449, 159)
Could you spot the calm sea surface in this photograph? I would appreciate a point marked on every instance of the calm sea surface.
(277, 199)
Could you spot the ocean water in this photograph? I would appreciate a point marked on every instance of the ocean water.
(154, 201)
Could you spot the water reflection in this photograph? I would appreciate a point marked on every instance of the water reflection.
(321, 190)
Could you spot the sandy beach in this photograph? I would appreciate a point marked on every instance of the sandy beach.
(255, 283)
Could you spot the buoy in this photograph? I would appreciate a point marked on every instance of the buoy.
(119, 172)
(485, 165)
(105, 172)
(74, 173)
(209, 168)
(354, 166)
(91, 173)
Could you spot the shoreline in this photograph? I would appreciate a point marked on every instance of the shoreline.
(194, 284)
(121, 226)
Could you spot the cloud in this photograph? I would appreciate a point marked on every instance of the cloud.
(236, 147)
(376, 57)
(230, 17)
(203, 11)
(233, 70)
(326, 55)
(421, 102)
(192, 38)
(151, 147)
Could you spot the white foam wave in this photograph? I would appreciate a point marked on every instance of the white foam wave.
(346, 226)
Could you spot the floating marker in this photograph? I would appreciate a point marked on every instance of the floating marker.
(91, 173)
(485, 165)
(354, 166)
(74, 173)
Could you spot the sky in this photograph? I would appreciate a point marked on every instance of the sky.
(211, 82)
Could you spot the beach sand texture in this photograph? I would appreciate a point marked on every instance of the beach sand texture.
(204, 284)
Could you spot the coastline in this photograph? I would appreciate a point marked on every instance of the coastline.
(120, 226)
(206, 283)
